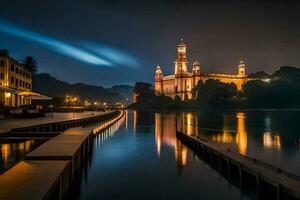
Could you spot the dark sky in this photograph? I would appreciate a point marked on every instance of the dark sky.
(218, 34)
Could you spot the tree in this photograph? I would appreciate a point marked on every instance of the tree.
(214, 91)
(177, 99)
(254, 91)
(259, 74)
(31, 64)
(287, 73)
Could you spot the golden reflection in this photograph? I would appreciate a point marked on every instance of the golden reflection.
(165, 134)
(270, 141)
(225, 136)
(126, 117)
(134, 120)
(241, 137)
(5, 149)
(109, 131)
(158, 132)
(189, 124)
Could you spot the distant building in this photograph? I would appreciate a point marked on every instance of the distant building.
(183, 81)
(15, 78)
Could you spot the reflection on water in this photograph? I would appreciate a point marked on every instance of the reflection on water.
(145, 154)
(271, 141)
(110, 131)
(144, 160)
(15, 151)
(165, 133)
(269, 136)
(241, 136)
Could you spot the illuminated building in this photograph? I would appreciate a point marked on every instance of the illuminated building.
(15, 78)
(183, 81)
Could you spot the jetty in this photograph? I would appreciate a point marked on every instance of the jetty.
(265, 177)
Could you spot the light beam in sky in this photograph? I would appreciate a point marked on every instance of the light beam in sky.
(114, 55)
(54, 44)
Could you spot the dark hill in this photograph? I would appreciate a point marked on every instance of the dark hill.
(45, 84)
(124, 90)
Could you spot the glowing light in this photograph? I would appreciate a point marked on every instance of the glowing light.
(241, 137)
(54, 44)
(270, 141)
(267, 80)
(7, 94)
(113, 55)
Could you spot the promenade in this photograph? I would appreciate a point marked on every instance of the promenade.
(7, 124)
(49, 170)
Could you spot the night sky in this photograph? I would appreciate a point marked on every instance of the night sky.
(121, 42)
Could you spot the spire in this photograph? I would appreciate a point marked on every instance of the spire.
(181, 42)
(158, 72)
(241, 62)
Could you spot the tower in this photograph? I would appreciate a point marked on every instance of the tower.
(181, 62)
(158, 87)
(196, 68)
(242, 69)
(181, 71)
(196, 73)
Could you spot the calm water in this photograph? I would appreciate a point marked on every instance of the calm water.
(140, 157)
(13, 152)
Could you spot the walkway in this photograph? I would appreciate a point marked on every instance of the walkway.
(7, 124)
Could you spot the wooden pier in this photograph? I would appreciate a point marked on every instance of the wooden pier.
(266, 178)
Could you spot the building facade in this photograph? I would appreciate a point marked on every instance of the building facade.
(182, 82)
(15, 79)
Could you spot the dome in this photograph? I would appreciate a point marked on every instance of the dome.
(196, 63)
(158, 71)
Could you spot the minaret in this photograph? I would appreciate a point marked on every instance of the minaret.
(158, 85)
(181, 71)
(196, 73)
(181, 62)
(242, 69)
(196, 68)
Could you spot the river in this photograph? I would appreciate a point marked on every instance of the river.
(140, 157)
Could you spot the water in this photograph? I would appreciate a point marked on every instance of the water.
(269, 136)
(15, 150)
(141, 158)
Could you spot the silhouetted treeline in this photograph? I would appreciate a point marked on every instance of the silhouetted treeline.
(280, 90)
(146, 98)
